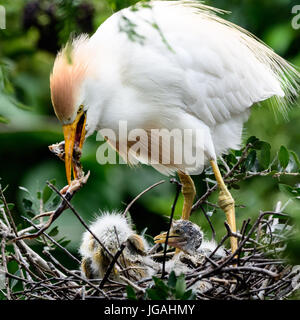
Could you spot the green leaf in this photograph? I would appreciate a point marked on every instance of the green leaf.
(27, 204)
(265, 154)
(252, 140)
(231, 159)
(294, 192)
(159, 291)
(250, 160)
(188, 295)
(130, 293)
(172, 280)
(153, 294)
(272, 173)
(248, 228)
(280, 217)
(65, 243)
(296, 159)
(10, 206)
(24, 189)
(55, 201)
(53, 204)
(283, 157)
(53, 232)
(180, 286)
(14, 282)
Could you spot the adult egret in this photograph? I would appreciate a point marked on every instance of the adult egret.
(168, 65)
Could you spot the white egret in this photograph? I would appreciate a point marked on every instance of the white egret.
(167, 65)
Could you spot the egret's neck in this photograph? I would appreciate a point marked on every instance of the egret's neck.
(98, 90)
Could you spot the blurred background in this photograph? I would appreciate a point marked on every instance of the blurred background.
(35, 30)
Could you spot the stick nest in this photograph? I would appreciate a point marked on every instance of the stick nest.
(257, 270)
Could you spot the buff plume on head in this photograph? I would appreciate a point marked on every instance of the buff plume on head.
(68, 72)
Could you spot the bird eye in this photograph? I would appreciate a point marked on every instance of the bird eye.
(80, 109)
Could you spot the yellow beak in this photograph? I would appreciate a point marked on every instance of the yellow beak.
(74, 135)
(161, 238)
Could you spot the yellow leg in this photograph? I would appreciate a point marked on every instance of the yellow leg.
(188, 190)
(226, 203)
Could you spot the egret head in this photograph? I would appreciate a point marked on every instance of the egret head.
(66, 84)
(183, 235)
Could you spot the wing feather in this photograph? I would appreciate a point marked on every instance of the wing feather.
(203, 63)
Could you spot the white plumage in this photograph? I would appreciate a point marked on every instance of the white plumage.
(185, 68)
(172, 65)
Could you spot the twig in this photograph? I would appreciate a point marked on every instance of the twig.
(113, 262)
(4, 263)
(139, 195)
(53, 241)
(209, 222)
(72, 189)
(178, 188)
(80, 219)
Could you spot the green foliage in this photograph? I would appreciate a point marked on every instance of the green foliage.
(130, 293)
(283, 156)
(173, 289)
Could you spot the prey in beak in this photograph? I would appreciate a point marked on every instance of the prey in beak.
(74, 134)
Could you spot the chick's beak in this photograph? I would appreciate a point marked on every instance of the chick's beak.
(174, 240)
(74, 134)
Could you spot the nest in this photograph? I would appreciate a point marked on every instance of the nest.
(257, 270)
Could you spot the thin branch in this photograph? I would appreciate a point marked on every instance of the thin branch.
(139, 195)
(112, 264)
(178, 188)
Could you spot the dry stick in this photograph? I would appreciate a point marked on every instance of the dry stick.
(113, 262)
(12, 276)
(178, 188)
(209, 222)
(4, 262)
(8, 211)
(24, 264)
(241, 244)
(53, 241)
(123, 258)
(20, 260)
(49, 255)
(139, 195)
(252, 269)
(133, 285)
(243, 230)
(72, 189)
(24, 249)
(80, 219)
